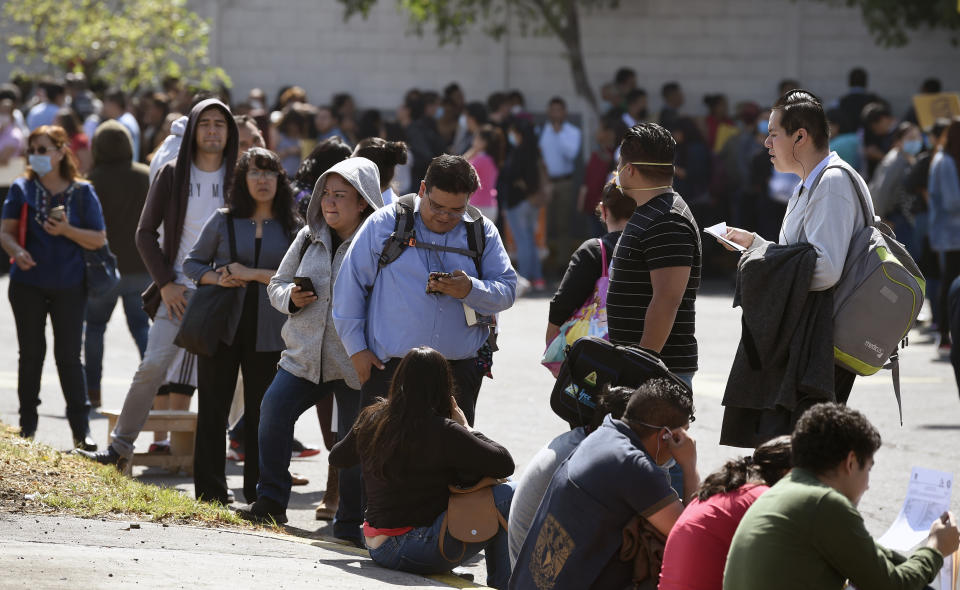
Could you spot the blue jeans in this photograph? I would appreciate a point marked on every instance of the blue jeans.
(99, 310)
(523, 223)
(418, 551)
(954, 309)
(287, 398)
(676, 474)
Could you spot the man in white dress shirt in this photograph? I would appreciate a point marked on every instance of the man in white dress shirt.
(560, 146)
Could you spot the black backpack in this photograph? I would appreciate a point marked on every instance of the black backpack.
(592, 363)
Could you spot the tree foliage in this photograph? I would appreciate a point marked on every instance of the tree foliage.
(891, 21)
(126, 43)
(451, 19)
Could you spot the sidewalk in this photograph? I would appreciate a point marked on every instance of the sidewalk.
(38, 552)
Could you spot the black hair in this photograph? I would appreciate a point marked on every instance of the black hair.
(857, 77)
(557, 100)
(495, 101)
(901, 130)
(294, 117)
(611, 400)
(649, 142)
(200, 96)
(669, 88)
(68, 119)
(339, 100)
(451, 89)
(939, 126)
(10, 91)
(618, 205)
(635, 94)
(873, 112)
(931, 86)
(834, 116)
(478, 112)
(827, 433)
(660, 403)
(623, 75)
(800, 109)
(327, 153)
(770, 461)
(496, 143)
(117, 97)
(419, 392)
(242, 205)
(712, 100)
(385, 154)
(786, 85)
(517, 96)
(451, 174)
(370, 124)
(53, 89)
(614, 122)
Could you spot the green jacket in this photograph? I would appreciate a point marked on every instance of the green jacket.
(803, 534)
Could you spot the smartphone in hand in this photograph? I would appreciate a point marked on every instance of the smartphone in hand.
(434, 276)
(305, 284)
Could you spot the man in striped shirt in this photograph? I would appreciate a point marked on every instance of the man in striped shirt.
(656, 266)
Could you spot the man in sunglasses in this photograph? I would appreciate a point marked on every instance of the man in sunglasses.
(656, 266)
(613, 476)
(384, 305)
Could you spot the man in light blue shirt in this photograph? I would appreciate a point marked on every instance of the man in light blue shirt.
(560, 147)
(382, 312)
(45, 113)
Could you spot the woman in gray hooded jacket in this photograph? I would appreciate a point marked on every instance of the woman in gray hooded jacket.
(314, 364)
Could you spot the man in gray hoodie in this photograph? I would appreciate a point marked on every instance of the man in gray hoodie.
(314, 363)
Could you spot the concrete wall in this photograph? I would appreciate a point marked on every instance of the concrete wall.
(740, 47)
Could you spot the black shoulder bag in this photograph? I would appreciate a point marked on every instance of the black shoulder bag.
(100, 265)
(204, 323)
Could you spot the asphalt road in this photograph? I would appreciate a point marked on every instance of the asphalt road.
(514, 407)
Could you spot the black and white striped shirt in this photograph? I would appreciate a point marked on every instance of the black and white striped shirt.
(662, 233)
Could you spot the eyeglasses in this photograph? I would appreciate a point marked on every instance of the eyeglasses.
(260, 174)
(40, 150)
(443, 211)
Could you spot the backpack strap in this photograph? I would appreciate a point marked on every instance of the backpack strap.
(404, 235)
(307, 242)
(603, 259)
(864, 208)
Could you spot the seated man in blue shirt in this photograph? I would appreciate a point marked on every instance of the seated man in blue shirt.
(382, 311)
(614, 475)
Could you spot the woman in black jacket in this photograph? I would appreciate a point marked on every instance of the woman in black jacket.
(615, 210)
(411, 447)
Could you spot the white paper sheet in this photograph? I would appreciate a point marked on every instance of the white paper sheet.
(718, 230)
(928, 496)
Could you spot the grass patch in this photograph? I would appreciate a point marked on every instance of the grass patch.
(38, 479)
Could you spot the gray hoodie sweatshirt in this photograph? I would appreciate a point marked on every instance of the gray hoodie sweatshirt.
(314, 351)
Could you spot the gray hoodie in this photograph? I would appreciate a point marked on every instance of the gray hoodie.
(314, 351)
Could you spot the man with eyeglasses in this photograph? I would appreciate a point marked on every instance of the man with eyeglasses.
(381, 311)
(655, 271)
(614, 476)
(185, 194)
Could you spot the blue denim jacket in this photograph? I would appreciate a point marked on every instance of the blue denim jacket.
(944, 189)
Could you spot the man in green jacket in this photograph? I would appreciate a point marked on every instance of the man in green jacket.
(806, 531)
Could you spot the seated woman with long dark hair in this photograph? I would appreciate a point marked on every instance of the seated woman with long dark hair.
(411, 447)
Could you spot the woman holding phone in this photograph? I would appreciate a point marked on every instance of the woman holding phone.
(260, 211)
(63, 218)
(314, 363)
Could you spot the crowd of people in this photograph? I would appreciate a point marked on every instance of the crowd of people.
(360, 263)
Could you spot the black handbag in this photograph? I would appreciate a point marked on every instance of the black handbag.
(590, 364)
(204, 323)
(100, 265)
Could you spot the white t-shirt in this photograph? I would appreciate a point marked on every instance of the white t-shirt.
(205, 196)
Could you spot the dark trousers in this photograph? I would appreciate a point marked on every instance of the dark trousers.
(216, 382)
(843, 384)
(949, 271)
(66, 308)
(467, 377)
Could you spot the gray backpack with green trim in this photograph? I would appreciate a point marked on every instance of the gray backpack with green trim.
(877, 299)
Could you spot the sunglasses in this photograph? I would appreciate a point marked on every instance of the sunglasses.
(40, 150)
